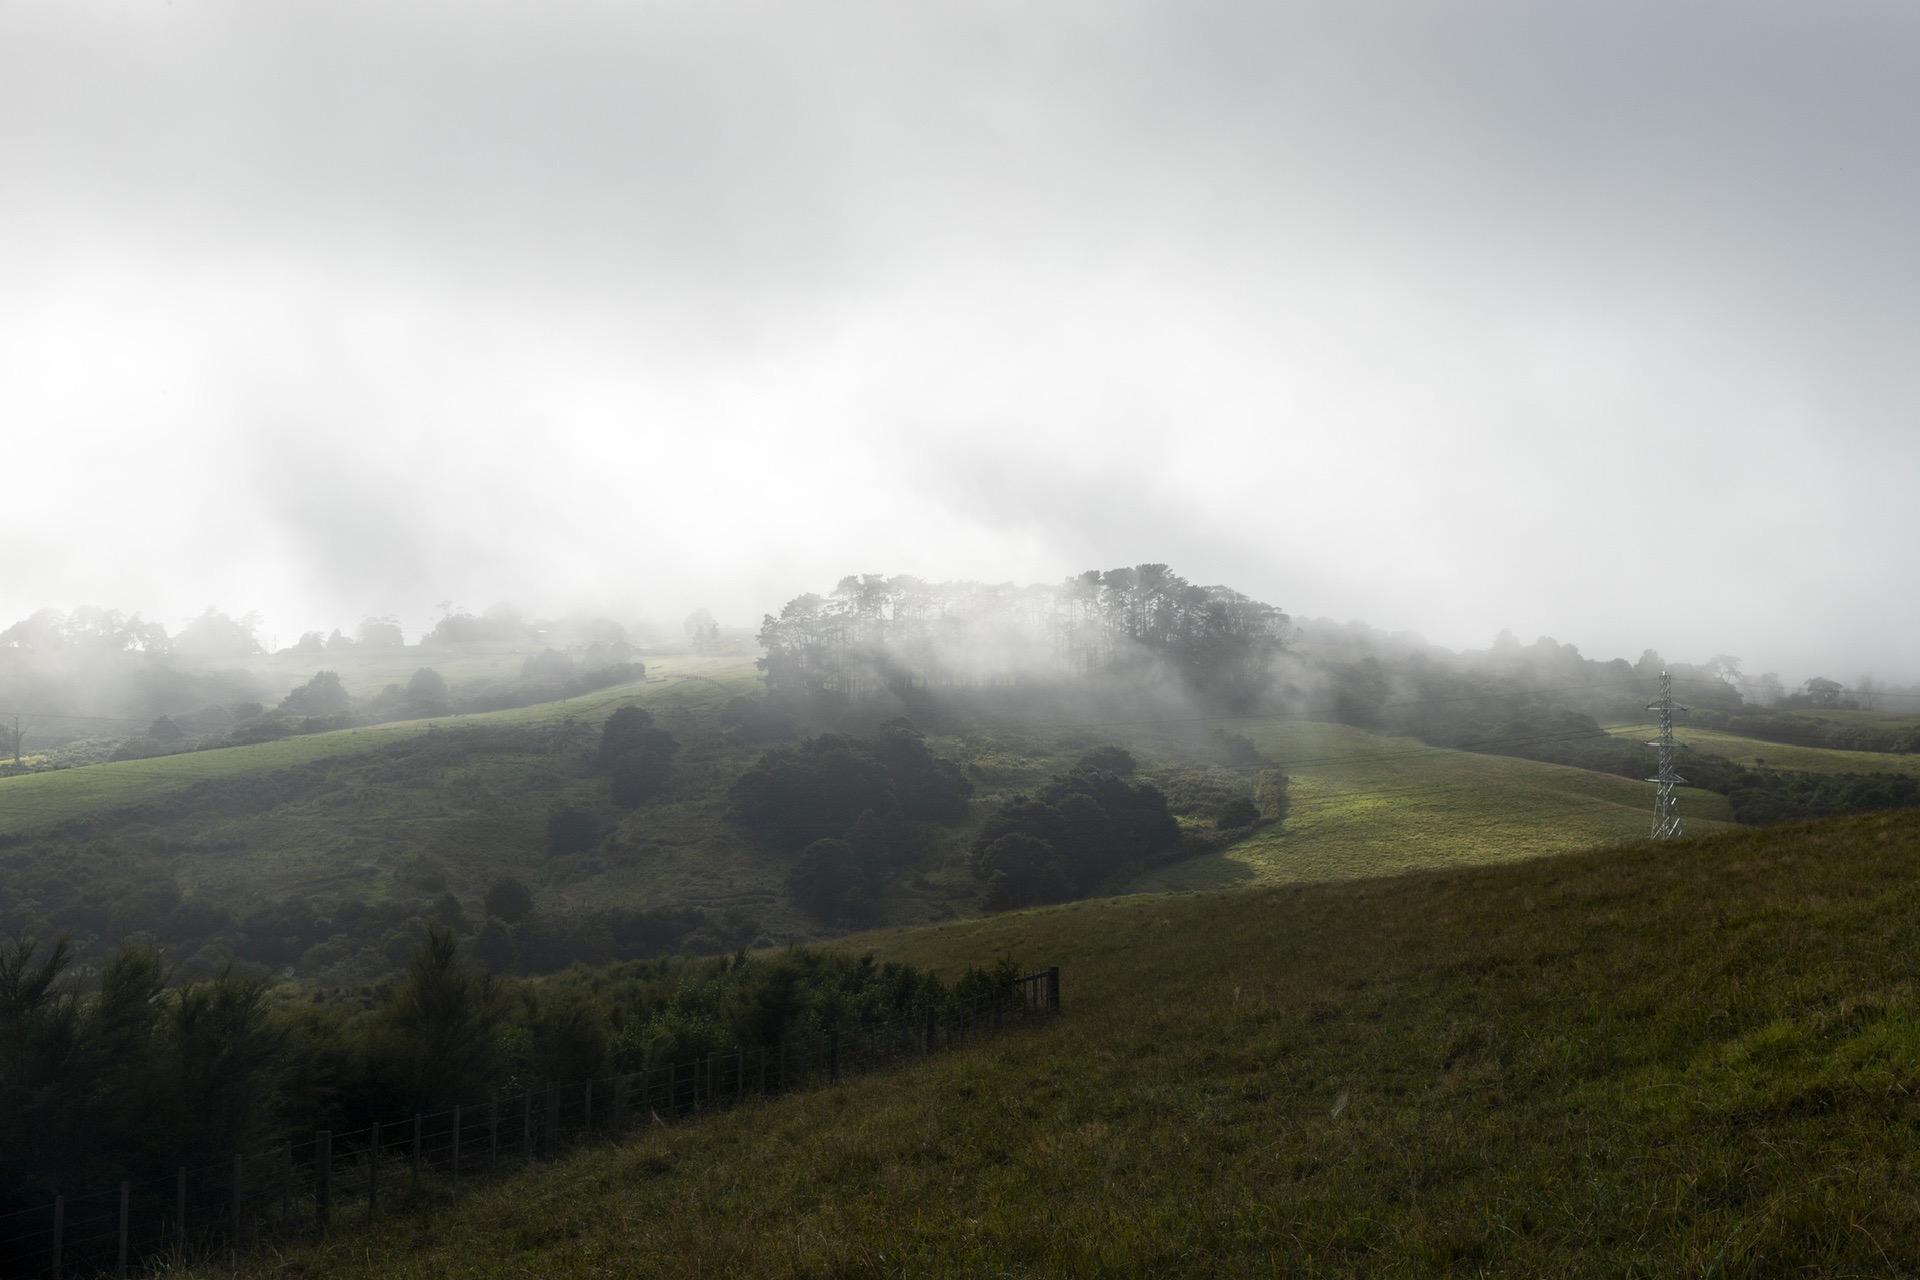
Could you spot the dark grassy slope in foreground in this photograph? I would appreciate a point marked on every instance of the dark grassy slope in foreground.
(1695, 1059)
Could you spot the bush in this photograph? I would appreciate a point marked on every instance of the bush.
(637, 756)
(1237, 814)
(571, 830)
(509, 900)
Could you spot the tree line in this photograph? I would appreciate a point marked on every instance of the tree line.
(127, 1076)
(896, 634)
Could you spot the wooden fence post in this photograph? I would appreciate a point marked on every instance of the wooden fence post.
(323, 1180)
(1053, 989)
(239, 1200)
(373, 1171)
(180, 1216)
(456, 1144)
(126, 1195)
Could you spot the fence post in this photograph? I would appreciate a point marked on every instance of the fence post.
(373, 1170)
(126, 1194)
(551, 1137)
(713, 1076)
(59, 1236)
(1053, 989)
(416, 1147)
(586, 1113)
(239, 1201)
(493, 1133)
(180, 1216)
(323, 1179)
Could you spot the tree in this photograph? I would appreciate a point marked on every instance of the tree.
(323, 695)
(1866, 690)
(571, 830)
(636, 754)
(1021, 871)
(1822, 692)
(1270, 793)
(444, 1026)
(509, 899)
(426, 694)
(380, 633)
(214, 635)
(822, 875)
(703, 633)
(165, 732)
(1237, 814)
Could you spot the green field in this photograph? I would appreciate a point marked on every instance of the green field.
(39, 799)
(1366, 805)
(1697, 1059)
(1780, 755)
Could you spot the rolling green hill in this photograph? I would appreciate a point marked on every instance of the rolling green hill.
(1780, 755)
(330, 852)
(1366, 805)
(40, 799)
(1696, 1058)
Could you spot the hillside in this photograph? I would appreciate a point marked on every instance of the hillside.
(327, 854)
(1780, 755)
(1368, 805)
(1696, 1058)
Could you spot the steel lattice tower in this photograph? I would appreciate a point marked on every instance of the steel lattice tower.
(1666, 806)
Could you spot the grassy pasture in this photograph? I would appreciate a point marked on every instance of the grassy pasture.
(1779, 755)
(1367, 805)
(1699, 1058)
(40, 799)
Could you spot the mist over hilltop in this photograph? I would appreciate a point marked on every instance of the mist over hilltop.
(1590, 321)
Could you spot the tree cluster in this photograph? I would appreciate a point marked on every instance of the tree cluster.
(131, 1077)
(1081, 830)
(853, 806)
(898, 634)
(636, 755)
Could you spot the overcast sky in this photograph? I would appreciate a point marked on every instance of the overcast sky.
(1591, 320)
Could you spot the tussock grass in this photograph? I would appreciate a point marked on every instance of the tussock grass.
(1701, 1058)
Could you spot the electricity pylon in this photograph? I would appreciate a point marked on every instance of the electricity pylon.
(1666, 806)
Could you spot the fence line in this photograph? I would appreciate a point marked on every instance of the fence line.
(298, 1186)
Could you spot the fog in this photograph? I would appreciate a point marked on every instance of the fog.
(1589, 320)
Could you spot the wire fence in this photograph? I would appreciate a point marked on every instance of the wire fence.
(306, 1185)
